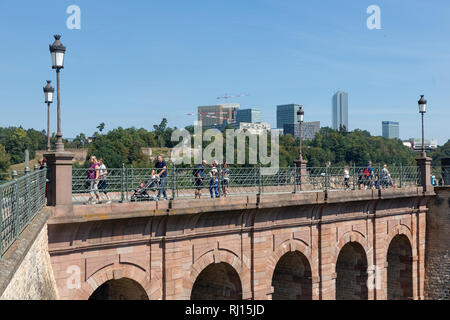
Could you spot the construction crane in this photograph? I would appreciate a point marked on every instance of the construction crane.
(226, 97)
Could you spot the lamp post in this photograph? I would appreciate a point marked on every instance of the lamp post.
(48, 92)
(57, 51)
(422, 110)
(300, 116)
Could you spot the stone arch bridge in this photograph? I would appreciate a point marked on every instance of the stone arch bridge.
(363, 244)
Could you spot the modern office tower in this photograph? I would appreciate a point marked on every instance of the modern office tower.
(391, 129)
(309, 129)
(339, 110)
(218, 116)
(248, 115)
(287, 114)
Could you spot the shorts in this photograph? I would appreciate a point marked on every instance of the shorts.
(199, 183)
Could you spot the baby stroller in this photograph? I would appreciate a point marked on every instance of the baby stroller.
(142, 192)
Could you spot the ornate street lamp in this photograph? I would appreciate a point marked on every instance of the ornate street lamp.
(300, 117)
(422, 110)
(48, 92)
(58, 51)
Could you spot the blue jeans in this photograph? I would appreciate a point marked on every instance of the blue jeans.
(162, 187)
(214, 185)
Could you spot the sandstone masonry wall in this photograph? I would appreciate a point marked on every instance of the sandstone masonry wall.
(437, 261)
(26, 272)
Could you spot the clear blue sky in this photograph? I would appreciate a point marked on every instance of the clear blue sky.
(135, 62)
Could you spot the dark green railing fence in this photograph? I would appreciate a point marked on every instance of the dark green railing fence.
(180, 182)
(20, 200)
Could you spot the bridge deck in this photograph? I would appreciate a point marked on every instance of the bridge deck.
(179, 206)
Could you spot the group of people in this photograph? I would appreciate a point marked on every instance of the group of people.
(97, 179)
(214, 174)
(437, 181)
(97, 174)
(367, 178)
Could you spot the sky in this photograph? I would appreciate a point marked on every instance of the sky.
(134, 62)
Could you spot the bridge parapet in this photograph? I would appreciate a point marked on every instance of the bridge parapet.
(138, 184)
(20, 200)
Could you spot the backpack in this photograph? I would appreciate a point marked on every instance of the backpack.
(195, 172)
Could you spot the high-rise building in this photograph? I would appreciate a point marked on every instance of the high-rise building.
(309, 129)
(339, 110)
(391, 129)
(287, 114)
(218, 116)
(248, 115)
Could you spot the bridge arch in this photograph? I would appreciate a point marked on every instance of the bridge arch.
(119, 289)
(216, 275)
(292, 278)
(351, 270)
(291, 260)
(399, 259)
(401, 229)
(111, 280)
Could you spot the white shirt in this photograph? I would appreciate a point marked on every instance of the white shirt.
(102, 170)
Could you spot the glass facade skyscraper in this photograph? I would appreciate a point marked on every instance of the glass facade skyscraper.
(287, 114)
(340, 110)
(309, 129)
(248, 115)
(391, 130)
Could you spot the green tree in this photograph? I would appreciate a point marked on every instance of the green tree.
(4, 160)
(101, 127)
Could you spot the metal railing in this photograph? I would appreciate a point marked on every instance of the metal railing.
(20, 200)
(137, 184)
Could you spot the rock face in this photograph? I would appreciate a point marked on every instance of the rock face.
(437, 263)
(26, 271)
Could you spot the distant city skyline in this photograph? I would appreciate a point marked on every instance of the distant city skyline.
(134, 63)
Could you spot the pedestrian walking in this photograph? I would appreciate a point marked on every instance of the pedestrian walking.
(385, 177)
(214, 180)
(161, 173)
(103, 172)
(93, 180)
(199, 174)
(347, 178)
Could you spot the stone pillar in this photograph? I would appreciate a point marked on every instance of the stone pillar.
(424, 164)
(302, 174)
(59, 188)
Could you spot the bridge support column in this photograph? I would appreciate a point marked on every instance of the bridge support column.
(59, 187)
